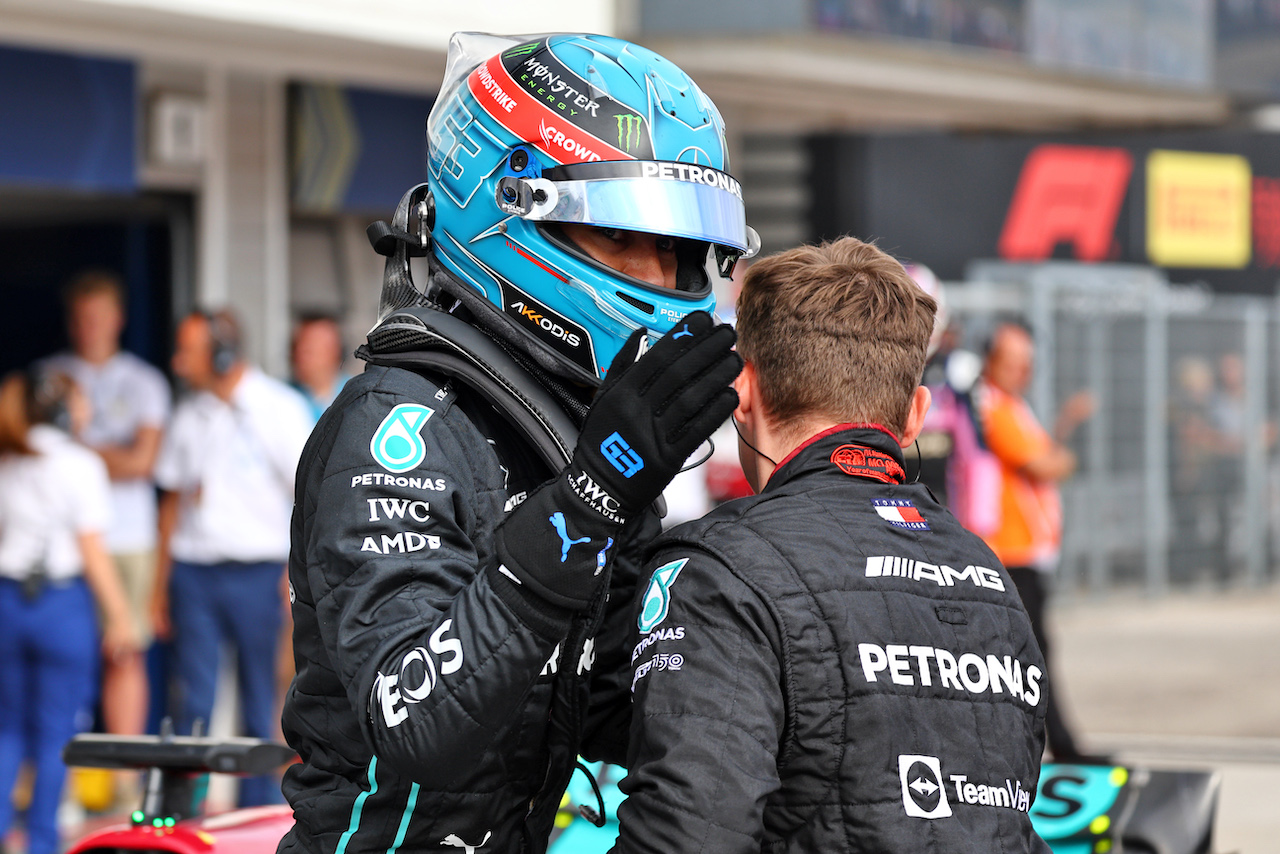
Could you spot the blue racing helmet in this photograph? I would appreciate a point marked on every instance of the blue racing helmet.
(529, 133)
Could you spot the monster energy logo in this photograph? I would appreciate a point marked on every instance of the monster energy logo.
(524, 49)
(629, 126)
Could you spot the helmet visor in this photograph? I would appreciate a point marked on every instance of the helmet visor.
(672, 199)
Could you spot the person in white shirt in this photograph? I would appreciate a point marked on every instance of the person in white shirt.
(316, 357)
(226, 471)
(129, 400)
(54, 567)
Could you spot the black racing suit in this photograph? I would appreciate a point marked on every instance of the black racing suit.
(833, 665)
(437, 705)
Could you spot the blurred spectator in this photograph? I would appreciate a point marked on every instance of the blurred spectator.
(226, 467)
(1193, 475)
(969, 482)
(1227, 414)
(951, 457)
(1028, 536)
(129, 400)
(316, 360)
(54, 509)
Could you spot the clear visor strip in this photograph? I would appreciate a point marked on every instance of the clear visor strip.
(652, 205)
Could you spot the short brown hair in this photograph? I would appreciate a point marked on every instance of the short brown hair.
(93, 282)
(835, 332)
(15, 420)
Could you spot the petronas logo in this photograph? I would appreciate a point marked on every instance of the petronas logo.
(397, 446)
(524, 49)
(657, 597)
(630, 126)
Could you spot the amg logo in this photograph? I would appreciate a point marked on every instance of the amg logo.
(942, 575)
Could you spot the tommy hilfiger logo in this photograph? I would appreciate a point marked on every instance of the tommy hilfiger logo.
(900, 513)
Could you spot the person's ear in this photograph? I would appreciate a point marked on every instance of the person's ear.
(920, 401)
(748, 393)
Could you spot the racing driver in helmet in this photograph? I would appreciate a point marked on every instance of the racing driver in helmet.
(470, 509)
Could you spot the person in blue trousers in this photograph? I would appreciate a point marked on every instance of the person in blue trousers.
(54, 568)
(226, 469)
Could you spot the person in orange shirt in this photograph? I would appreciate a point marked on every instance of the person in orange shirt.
(1028, 536)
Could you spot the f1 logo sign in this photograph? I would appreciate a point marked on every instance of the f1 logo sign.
(923, 795)
(1066, 194)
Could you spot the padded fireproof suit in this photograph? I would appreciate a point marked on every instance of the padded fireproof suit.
(437, 705)
(833, 665)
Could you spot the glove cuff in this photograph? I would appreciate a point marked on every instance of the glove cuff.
(591, 492)
(557, 545)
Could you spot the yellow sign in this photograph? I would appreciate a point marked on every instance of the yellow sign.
(1198, 210)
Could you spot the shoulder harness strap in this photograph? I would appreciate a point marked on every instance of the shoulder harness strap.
(424, 338)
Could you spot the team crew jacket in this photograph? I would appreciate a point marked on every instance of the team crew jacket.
(437, 704)
(833, 665)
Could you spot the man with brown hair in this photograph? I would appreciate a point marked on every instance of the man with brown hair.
(129, 400)
(833, 664)
(226, 473)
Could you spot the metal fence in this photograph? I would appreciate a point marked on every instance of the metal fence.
(1179, 473)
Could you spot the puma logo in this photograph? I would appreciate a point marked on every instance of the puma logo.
(557, 521)
(456, 841)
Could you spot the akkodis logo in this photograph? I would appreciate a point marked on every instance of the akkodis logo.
(397, 445)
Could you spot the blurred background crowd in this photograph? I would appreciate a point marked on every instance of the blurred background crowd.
(1103, 175)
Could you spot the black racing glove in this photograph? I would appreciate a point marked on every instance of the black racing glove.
(650, 415)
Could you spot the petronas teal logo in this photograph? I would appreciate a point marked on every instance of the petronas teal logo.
(657, 598)
(398, 445)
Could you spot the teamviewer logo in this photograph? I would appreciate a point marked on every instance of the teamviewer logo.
(922, 792)
(621, 455)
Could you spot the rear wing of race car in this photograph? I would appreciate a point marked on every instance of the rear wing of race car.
(175, 766)
(1098, 808)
